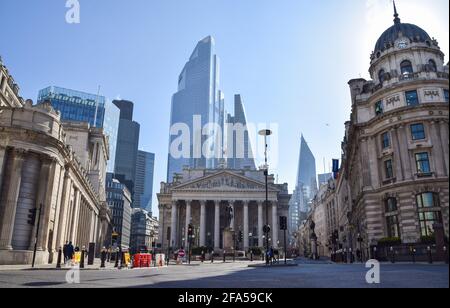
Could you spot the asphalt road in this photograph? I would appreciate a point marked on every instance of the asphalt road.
(238, 275)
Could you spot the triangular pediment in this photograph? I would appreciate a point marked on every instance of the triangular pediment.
(224, 181)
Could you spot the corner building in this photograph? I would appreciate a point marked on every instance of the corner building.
(394, 177)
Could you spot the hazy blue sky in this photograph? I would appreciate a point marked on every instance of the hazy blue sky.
(291, 60)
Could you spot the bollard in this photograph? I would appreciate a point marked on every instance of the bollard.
(58, 263)
(392, 255)
(251, 256)
(224, 257)
(212, 257)
(82, 258)
(116, 261)
(413, 253)
(430, 256)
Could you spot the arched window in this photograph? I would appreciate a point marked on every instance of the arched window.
(406, 67)
(381, 74)
(432, 65)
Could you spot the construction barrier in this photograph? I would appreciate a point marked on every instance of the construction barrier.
(77, 257)
(142, 260)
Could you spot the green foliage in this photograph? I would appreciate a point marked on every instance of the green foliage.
(429, 239)
(390, 241)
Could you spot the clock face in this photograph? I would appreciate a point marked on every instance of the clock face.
(402, 44)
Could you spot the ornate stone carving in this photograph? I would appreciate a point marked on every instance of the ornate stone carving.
(225, 182)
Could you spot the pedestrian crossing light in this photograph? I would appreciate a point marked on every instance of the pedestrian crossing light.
(241, 237)
(32, 217)
(190, 230)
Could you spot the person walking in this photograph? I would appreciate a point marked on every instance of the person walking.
(65, 252)
(69, 251)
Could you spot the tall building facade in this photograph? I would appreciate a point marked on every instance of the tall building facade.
(75, 105)
(395, 172)
(78, 106)
(197, 102)
(40, 173)
(127, 144)
(143, 188)
(238, 149)
(119, 202)
(306, 186)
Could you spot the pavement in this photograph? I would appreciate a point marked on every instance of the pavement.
(233, 275)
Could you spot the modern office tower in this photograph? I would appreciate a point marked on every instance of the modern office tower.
(111, 127)
(306, 186)
(324, 178)
(119, 201)
(77, 106)
(197, 102)
(143, 187)
(238, 150)
(127, 144)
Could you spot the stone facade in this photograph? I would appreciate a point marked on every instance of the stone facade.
(144, 230)
(39, 170)
(394, 176)
(201, 197)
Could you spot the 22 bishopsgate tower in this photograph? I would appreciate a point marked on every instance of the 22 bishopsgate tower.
(199, 108)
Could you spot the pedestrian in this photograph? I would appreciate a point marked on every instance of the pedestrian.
(70, 252)
(203, 256)
(65, 252)
(271, 255)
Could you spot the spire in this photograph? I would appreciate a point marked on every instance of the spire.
(397, 19)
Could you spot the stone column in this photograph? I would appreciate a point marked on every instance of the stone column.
(217, 225)
(246, 242)
(2, 163)
(274, 224)
(63, 223)
(444, 143)
(173, 227)
(75, 217)
(260, 224)
(202, 223)
(437, 155)
(188, 221)
(12, 191)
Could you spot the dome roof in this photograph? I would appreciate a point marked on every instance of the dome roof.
(410, 31)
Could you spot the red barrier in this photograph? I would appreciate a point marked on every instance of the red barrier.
(142, 260)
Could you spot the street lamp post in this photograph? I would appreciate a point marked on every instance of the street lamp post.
(266, 133)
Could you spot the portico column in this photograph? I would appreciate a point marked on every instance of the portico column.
(202, 223)
(188, 221)
(275, 224)
(246, 243)
(217, 225)
(260, 224)
(173, 228)
(2, 163)
(12, 192)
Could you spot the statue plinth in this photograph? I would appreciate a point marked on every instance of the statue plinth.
(228, 242)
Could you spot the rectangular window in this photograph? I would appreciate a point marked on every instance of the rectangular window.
(427, 220)
(389, 169)
(386, 140)
(418, 132)
(427, 200)
(446, 95)
(412, 99)
(393, 227)
(423, 163)
(379, 108)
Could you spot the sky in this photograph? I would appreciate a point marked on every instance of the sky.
(290, 60)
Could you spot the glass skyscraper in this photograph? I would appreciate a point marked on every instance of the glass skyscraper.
(143, 187)
(79, 106)
(198, 97)
(75, 105)
(306, 186)
(239, 149)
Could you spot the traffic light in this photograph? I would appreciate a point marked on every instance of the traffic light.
(241, 237)
(190, 230)
(32, 217)
(283, 223)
